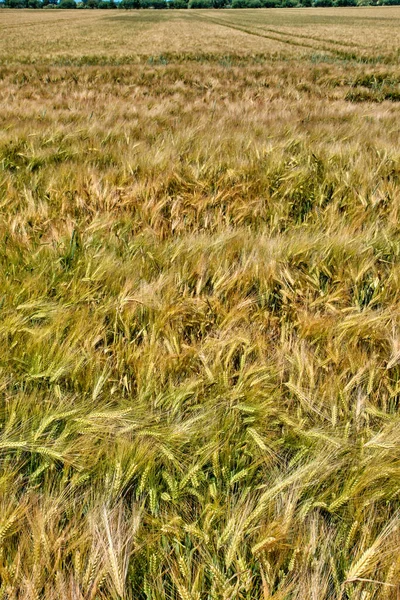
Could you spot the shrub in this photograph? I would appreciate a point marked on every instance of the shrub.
(200, 4)
(15, 4)
(67, 4)
(177, 4)
(323, 3)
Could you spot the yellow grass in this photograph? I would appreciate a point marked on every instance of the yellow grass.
(44, 37)
(199, 292)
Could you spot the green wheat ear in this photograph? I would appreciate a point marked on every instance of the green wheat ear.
(199, 305)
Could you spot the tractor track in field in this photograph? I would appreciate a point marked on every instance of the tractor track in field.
(340, 54)
(306, 37)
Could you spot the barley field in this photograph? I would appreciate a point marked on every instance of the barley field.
(200, 304)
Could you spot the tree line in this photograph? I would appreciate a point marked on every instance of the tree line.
(182, 4)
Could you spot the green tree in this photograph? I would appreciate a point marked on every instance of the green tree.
(200, 4)
(178, 4)
(15, 4)
(129, 4)
(67, 4)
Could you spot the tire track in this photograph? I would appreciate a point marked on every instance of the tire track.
(340, 54)
(255, 33)
(307, 37)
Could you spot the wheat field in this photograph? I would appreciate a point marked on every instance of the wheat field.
(199, 305)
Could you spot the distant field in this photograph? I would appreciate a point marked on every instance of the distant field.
(200, 304)
(361, 34)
